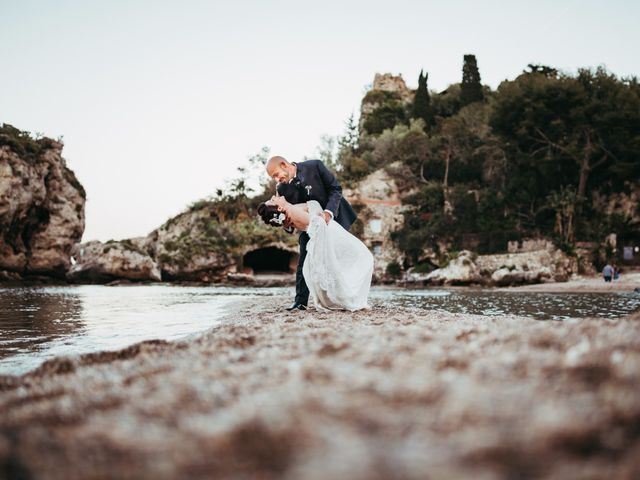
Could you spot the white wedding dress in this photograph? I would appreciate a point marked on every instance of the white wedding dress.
(338, 267)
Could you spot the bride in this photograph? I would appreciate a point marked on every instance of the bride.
(338, 267)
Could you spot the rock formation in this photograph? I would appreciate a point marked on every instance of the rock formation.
(461, 270)
(41, 205)
(377, 199)
(195, 245)
(542, 265)
(102, 262)
(384, 87)
(190, 246)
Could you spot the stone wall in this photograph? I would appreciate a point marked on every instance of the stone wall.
(392, 83)
(378, 200)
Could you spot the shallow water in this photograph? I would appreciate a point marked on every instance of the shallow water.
(38, 323)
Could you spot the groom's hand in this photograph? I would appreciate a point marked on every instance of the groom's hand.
(327, 217)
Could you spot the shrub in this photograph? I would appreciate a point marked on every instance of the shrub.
(394, 269)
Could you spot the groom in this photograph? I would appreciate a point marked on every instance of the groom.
(298, 183)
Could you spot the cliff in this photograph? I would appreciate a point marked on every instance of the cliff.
(41, 206)
(199, 244)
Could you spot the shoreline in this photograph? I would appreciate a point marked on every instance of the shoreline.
(627, 283)
(382, 393)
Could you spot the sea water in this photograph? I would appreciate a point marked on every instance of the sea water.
(38, 323)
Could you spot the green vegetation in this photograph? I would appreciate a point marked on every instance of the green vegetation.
(226, 223)
(22, 143)
(422, 101)
(29, 148)
(471, 88)
(480, 167)
(70, 177)
(424, 267)
(385, 116)
(394, 269)
(127, 244)
(227, 240)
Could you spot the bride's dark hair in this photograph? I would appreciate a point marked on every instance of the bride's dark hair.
(270, 215)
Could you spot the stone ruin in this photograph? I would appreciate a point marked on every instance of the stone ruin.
(392, 83)
(381, 212)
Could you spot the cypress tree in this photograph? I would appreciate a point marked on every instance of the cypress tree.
(422, 101)
(471, 88)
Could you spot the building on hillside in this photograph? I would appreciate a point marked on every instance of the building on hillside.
(376, 199)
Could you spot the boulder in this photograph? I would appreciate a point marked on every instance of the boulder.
(505, 276)
(467, 268)
(538, 266)
(461, 270)
(41, 205)
(104, 262)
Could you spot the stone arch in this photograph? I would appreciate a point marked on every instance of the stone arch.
(270, 259)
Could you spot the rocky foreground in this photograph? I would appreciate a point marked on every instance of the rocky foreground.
(385, 393)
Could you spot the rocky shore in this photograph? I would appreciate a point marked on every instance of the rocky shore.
(378, 394)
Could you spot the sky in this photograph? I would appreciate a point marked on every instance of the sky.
(158, 102)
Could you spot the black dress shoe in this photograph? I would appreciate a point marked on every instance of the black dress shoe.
(296, 306)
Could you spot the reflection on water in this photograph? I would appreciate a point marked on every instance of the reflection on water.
(38, 323)
(30, 318)
(542, 306)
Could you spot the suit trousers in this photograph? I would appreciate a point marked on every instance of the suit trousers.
(302, 291)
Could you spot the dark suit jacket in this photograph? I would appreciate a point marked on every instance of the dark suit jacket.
(314, 181)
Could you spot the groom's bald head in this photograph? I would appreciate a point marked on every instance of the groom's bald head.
(276, 161)
(280, 169)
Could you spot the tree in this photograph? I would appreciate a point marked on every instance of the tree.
(563, 204)
(422, 102)
(471, 89)
(566, 131)
(349, 166)
(326, 151)
(349, 140)
(454, 139)
(542, 69)
(386, 116)
(256, 178)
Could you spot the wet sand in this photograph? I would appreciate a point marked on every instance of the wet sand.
(385, 393)
(626, 283)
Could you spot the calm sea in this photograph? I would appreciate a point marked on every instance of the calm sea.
(38, 323)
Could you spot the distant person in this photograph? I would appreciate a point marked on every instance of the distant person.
(607, 272)
(616, 272)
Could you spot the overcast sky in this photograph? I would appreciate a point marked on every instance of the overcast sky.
(159, 102)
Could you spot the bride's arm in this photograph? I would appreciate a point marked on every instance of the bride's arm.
(297, 215)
